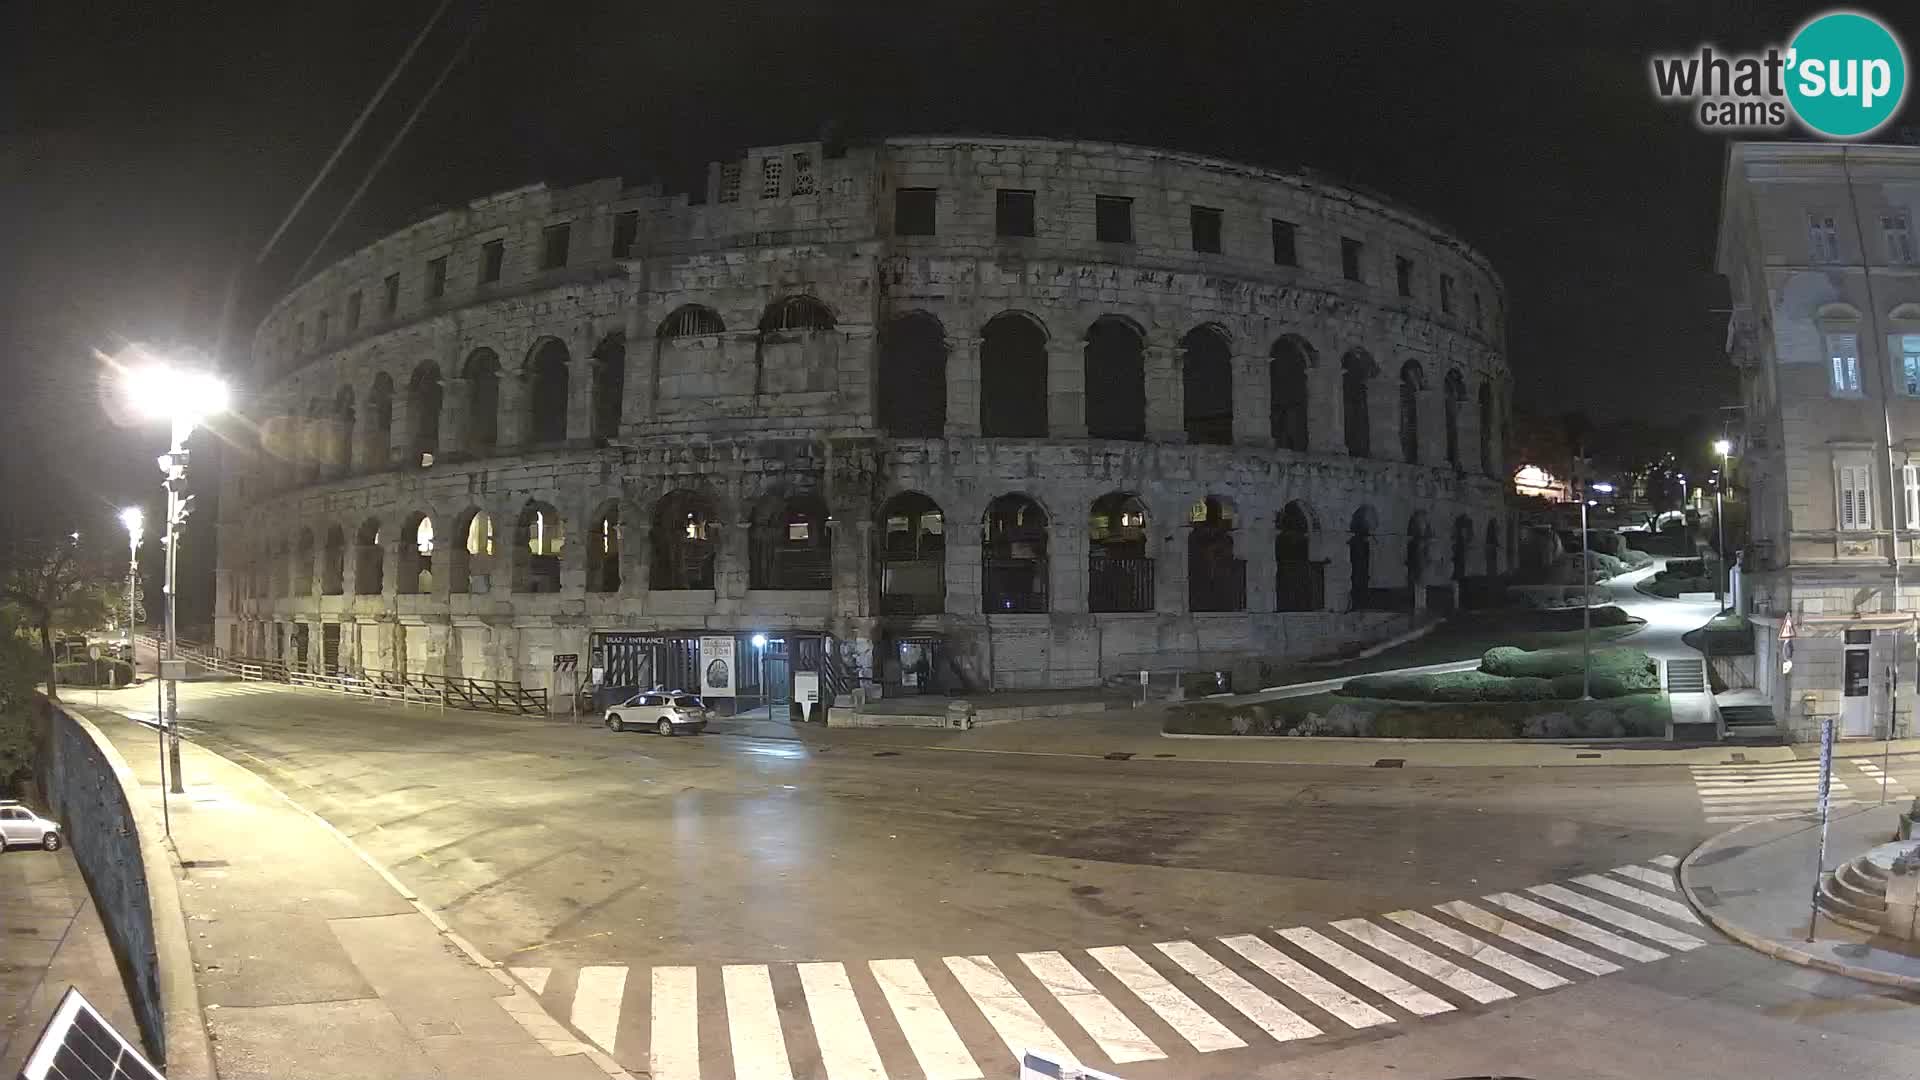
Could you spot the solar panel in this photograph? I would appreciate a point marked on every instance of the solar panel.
(79, 1044)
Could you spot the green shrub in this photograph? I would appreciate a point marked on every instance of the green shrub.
(1416, 724)
(1453, 686)
(82, 673)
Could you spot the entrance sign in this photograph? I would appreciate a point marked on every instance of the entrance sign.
(806, 691)
(717, 667)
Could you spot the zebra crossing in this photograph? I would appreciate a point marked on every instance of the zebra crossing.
(1732, 794)
(969, 1017)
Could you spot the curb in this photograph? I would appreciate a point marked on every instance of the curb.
(1778, 950)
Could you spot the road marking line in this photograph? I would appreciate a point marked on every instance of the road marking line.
(1473, 948)
(1770, 797)
(1651, 877)
(1306, 982)
(1019, 1026)
(1792, 769)
(1735, 790)
(1272, 1017)
(753, 1023)
(596, 1004)
(930, 1035)
(1672, 909)
(1668, 861)
(1367, 973)
(1734, 819)
(1625, 920)
(1424, 962)
(1567, 924)
(675, 1053)
(1500, 926)
(1187, 1019)
(839, 1026)
(534, 977)
(1119, 1039)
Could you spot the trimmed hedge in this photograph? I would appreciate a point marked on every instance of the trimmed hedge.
(1339, 715)
(81, 673)
(1510, 674)
(1454, 686)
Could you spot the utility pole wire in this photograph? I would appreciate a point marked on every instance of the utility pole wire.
(398, 136)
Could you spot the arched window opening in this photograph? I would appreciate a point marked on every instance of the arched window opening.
(1287, 392)
(340, 434)
(685, 536)
(913, 556)
(369, 560)
(603, 550)
(1411, 383)
(791, 545)
(379, 437)
(280, 571)
(472, 555)
(1116, 380)
(314, 442)
(1486, 428)
(423, 414)
(538, 537)
(691, 320)
(1356, 371)
(1456, 388)
(333, 564)
(547, 394)
(1119, 571)
(609, 385)
(1216, 581)
(1013, 378)
(1360, 559)
(482, 373)
(1013, 557)
(1300, 584)
(912, 380)
(1419, 537)
(1493, 549)
(1206, 375)
(416, 556)
(795, 313)
(1462, 546)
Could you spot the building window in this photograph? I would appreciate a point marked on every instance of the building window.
(1283, 250)
(1012, 212)
(1843, 355)
(1446, 294)
(803, 174)
(493, 256)
(1823, 238)
(1403, 275)
(353, 311)
(436, 278)
(1206, 229)
(770, 171)
(626, 226)
(1899, 238)
(1113, 219)
(1350, 259)
(913, 211)
(320, 330)
(1910, 485)
(1909, 350)
(390, 296)
(1856, 497)
(554, 240)
(730, 182)
(300, 335)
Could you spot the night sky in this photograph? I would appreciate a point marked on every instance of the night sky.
(149, 148)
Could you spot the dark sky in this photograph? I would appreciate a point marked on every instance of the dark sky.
(147, 149)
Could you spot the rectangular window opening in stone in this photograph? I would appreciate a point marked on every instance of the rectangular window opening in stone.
(1113, 219)
(626, 227)
(493, 257)
(1206, 229)
(437, 278)
(1823, 238)
(1843, 362)
(1910, 486)
(913, 211)
(300, 334)
(770, 172)
(1012, 212)
(390, 296)
(1854, 489)
(1909, 350)
(321, 333)
(1283, 249)
(1350, 259)
(1403, 275)
(353, 311)
(730, 182)
(554, 240)
(1900, 247)
(1446, 294)
(803, 174)
(1479, 313)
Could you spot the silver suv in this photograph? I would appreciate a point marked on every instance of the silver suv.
(668, 712)
(21, 827)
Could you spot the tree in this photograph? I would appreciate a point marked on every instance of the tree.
(53, 581)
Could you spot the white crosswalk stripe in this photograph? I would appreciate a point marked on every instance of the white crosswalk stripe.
(1734, 794)
(1116, 1002)
(1668, 861)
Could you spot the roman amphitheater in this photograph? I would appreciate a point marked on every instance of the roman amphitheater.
(920, 415)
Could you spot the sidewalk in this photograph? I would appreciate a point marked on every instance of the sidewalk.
(312, 961)
(1755, 884)
(50, 939)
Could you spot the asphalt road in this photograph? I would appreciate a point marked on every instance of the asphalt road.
(593, 863)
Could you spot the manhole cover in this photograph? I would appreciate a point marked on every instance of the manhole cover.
(1586, 755)
(1390, 763)
(1118, 755)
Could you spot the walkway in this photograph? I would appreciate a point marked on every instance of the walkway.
(1667, 620)
(53, 939)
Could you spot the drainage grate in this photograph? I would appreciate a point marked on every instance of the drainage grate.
(1118, 755)
(1163, 755)
(1390, 763)
(1586, 755)
(203, 864)
(1731, 758)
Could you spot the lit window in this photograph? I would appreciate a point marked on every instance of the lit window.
(1823, 238)
(1843, 355)
(422, 537)
(798, 530)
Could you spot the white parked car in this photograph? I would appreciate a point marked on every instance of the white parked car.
(668, 712)
(21, 827)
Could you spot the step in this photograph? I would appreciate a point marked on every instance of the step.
(1757, 716)
(1845, 911)
(1849, 883)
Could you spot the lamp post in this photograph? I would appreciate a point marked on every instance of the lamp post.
(183, 397)
(1723, 448)
(1586, 593)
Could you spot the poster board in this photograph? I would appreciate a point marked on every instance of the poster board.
(806, 692)
(717, 674)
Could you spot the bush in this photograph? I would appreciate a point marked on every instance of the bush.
(81, 673)
(1456, 686)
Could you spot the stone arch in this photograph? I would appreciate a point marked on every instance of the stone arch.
(547, 392)
(482, 372)
(690, 320)
(1013, 377)
(1357, 370)
(333, 562)
(1486, 427)
(911, 535)
(1013, 556)
(1116, 379)
(538, 536)
(279, 568)
(1289, 399)
(340, 433)
(314, 441)
(911, 383)
(472, 554)
(609, 384)
(1119, 566)
(1206, 376)
(685, 536)
(369, 559)
(415, 565)
(1462, 546)
(1419, 541)
(1216, 578)
(790, 544)
(378, 455)
(1361, 529)
(796, 313)
(1492, 554)
(1456, 401)
(605, 543)
(1413, 381)
(423, 412)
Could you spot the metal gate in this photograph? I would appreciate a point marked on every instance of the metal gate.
(330, 648)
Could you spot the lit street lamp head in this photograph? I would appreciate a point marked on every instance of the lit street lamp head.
(135, 522)
(1722, 447)
(186, 397)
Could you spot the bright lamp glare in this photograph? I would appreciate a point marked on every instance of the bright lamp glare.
(132, 518)
(1605, 489)
(1722, 447)
(161, 392)
(759, 641)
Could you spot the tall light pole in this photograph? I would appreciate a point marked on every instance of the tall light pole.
(1586, 592)
(185, 398)
(1723, 448)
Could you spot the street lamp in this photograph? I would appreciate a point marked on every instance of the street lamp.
(184, 397)
(1723, 448)
(1586, 594)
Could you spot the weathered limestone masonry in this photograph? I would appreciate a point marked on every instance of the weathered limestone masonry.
(1055, 411)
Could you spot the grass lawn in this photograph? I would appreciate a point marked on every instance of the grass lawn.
(1466, 636)
(1643, 715)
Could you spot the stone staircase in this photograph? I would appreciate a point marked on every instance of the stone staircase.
(1686, 676)
(1692, 704)
(1855, 894)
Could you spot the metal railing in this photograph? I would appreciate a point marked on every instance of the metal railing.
(491, 695)
(1119, 584)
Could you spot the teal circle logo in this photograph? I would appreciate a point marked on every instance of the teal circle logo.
(1847, 74)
